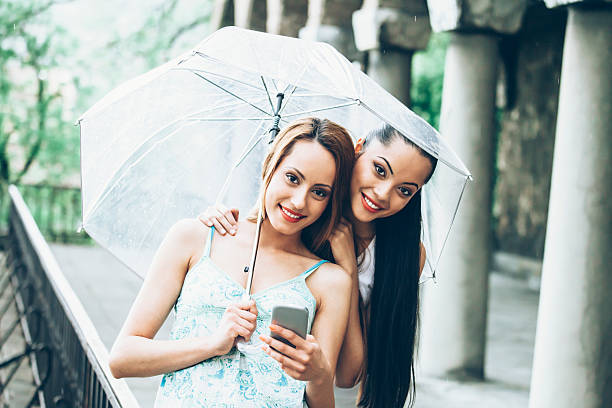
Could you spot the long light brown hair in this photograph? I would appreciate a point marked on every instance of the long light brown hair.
(336, 140)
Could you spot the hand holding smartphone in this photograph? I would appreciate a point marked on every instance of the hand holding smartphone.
(292, 318)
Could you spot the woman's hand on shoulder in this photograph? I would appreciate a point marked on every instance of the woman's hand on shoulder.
(343, 247)
(223, 219)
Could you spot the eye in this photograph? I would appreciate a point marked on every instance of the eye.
(405, 191)
(320, 193)
(380, 170)
(291, 178)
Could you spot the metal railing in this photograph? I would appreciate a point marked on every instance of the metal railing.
(69, 360)
(56, 209)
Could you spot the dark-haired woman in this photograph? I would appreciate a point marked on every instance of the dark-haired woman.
(380, 247)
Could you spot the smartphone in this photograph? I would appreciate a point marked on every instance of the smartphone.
(292, 318)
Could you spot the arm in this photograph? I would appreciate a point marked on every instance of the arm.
(314, 359)
(352, 353)
(135, 352)
(329, 328)
(422, 257)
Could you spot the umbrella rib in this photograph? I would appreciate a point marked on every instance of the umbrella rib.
(244, 154)
(206, 57)
(288, 99)
(267, 93)
(193, 70)
(223, 119)
(448, 232)
(233, 94)
(322, 109)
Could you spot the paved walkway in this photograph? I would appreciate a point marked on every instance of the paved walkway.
(107, 290)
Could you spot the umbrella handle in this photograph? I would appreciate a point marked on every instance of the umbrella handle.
(275, 129)
(250, 269)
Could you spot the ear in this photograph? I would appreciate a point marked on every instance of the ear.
(359, 145)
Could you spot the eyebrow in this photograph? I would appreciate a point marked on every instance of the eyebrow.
(304, 178)
(390, 169)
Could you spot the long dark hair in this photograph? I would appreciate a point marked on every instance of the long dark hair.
(388, 376)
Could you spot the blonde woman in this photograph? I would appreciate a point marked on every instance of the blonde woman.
(200, 274)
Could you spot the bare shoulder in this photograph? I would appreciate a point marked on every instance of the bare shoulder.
(332, 278)
(187, 236)
(188, 230)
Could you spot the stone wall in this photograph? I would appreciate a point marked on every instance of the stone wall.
(527, 133)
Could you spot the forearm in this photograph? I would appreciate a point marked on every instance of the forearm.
(136, 356)
(320, 393)
(350, 359)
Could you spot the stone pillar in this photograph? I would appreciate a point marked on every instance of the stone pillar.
(222, 14)
(250, 14)
(286, 17)
(573, 352)
(390, 31)
(330, 21)
(527, 135)
(454, 309)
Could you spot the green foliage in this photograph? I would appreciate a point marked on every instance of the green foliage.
(427, 79)
(34, 130)
(168, 29)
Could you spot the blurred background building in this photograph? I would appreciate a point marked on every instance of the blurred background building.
(522, 89)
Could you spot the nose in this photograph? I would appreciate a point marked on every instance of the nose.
(382, 192)
(298, 199)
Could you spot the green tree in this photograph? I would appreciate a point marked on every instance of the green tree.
(427, 79)
(34, 127)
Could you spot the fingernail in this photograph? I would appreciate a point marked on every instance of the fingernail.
(222, 231)
(233, 231)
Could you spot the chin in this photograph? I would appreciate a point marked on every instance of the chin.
(361, 214)
(282, 226)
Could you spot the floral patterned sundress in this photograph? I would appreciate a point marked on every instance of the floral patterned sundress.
(249, 379)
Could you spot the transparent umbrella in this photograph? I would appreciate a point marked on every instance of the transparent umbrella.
(194, 132)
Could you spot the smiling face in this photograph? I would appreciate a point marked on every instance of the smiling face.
(385, 178)
(300, 188)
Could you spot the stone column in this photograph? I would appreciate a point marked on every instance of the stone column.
(454, 309)
(251, 14)
(390, 31)
(222, 14)
(286, 17)
(330, 21)
(573, 352)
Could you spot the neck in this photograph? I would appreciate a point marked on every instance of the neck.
(271, 239)
(364, 231)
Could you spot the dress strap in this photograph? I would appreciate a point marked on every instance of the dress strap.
(209, 242)
(313, 268)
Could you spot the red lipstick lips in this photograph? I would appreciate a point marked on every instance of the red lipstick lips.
(364, 202)
(290, 216)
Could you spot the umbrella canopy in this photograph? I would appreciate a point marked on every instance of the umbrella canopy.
(194, 131)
